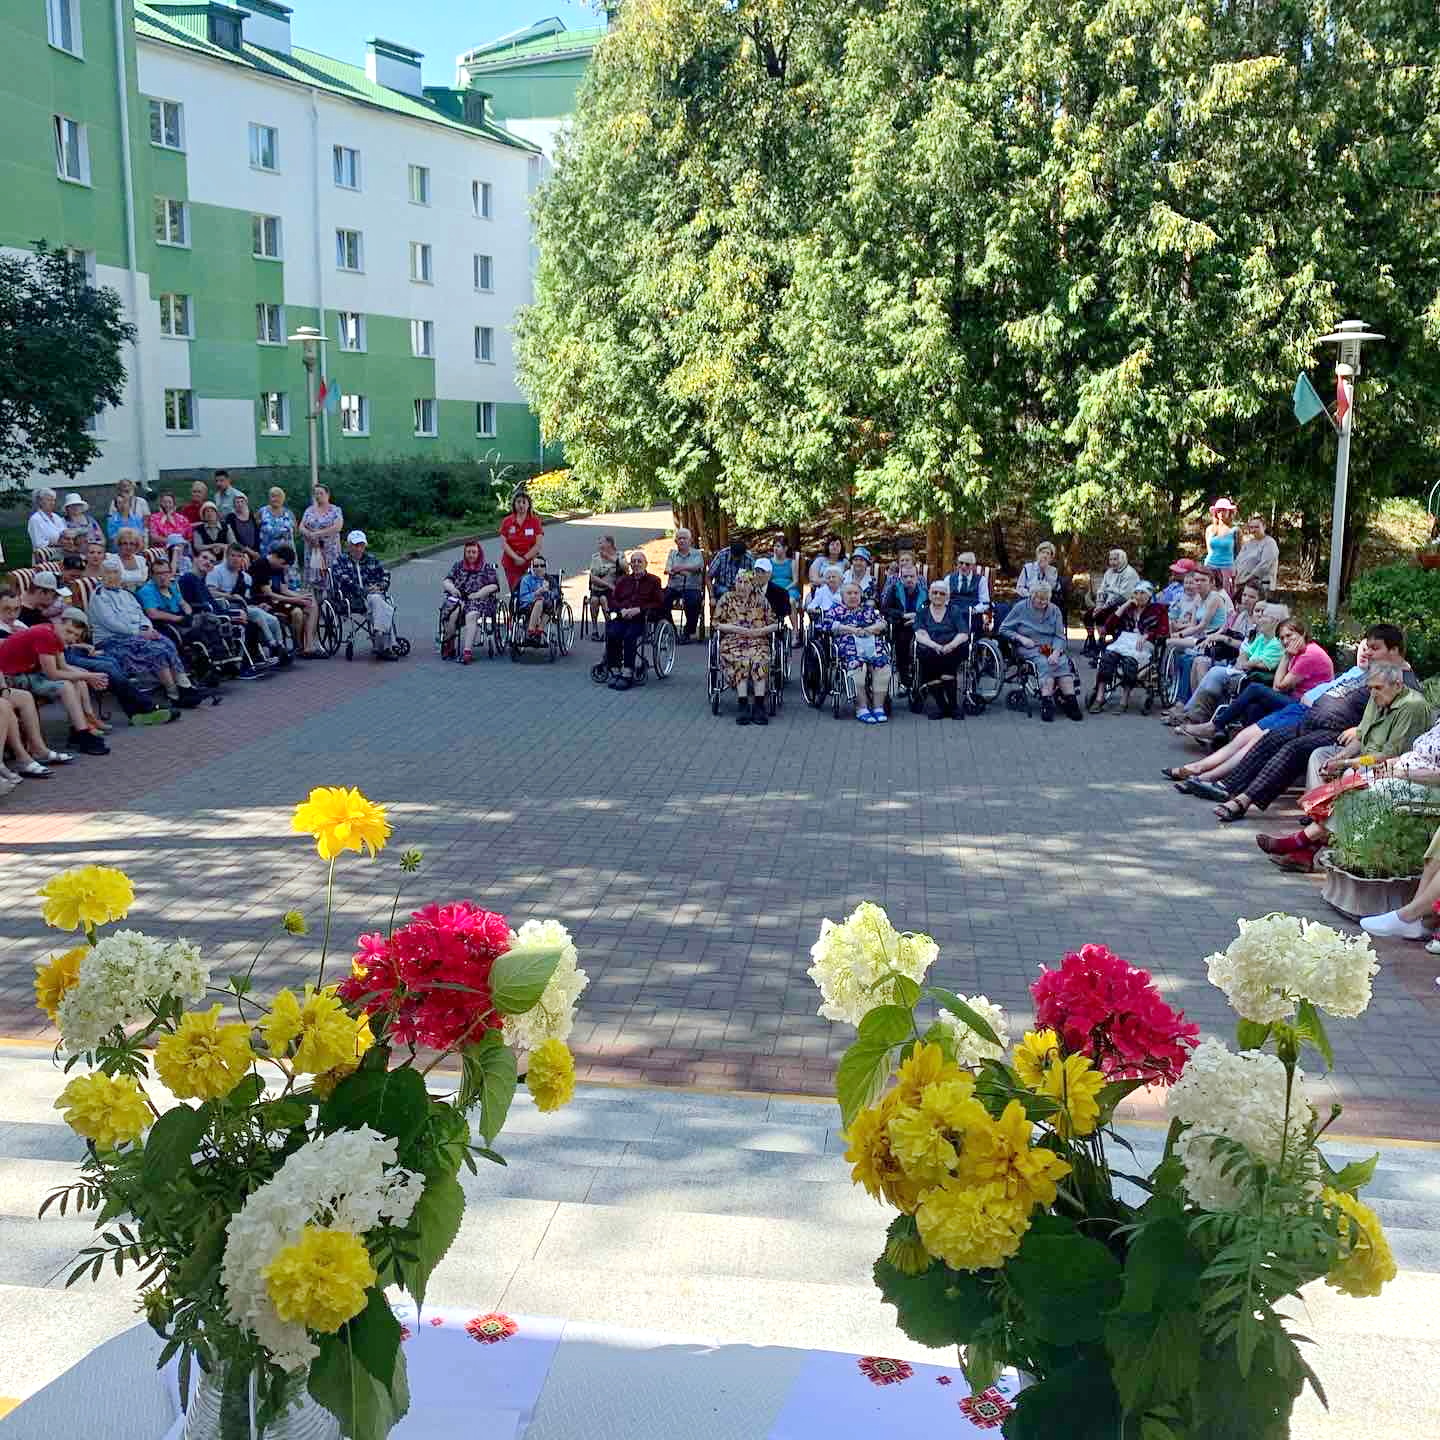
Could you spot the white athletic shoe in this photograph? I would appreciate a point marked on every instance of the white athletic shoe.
(1391, 926)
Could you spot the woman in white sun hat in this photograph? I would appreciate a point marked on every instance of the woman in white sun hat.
(1220, 539)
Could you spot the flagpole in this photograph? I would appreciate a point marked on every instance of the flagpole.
(1344, 375)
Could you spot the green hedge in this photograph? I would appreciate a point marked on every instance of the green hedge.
(1407, 596)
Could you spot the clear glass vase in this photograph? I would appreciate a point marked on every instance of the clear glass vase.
(303, 1417)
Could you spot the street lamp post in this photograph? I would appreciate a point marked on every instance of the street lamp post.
(1349, 335)
(310, 340)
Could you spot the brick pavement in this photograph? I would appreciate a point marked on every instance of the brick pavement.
(693, 859)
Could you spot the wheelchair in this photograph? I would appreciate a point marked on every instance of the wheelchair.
(492, 633)
(593, 615)
(208, 660)
(558, 634)
(340, 622)
(655, 652)
(1020, 677)
(716, 684)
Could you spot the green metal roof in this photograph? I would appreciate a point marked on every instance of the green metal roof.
(512, 52)
(309, 67)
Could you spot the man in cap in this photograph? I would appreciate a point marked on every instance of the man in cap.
(363, 581)
(1176, 588)
(44, 599)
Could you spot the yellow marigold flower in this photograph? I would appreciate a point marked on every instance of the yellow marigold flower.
(324, 1084)
(320, 1281)
(906, 1253)
(341, 819)
(89, 895)
(873, 1163)
(926, 1065)
(59, 974)
(1368, 1262)
(999, 1154)
(971, 1227)
(1074, 1084)
(925, 1138)
(1034, 1055)
(292, 922)
(550, 1074)
(325, 1031)
(109, 1111)
(204, 1059)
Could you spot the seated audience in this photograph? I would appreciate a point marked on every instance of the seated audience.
(726, 565)
(46, 524)
(44, 599)
(21, 735)
(535, 599)
(167, 520)
(833, 554)
(94, 556)
(79, 519)
(209, 532)
(1212, 610)
(859, 634)
(124, 633)
(363, 582)
(1142, 620)
(860, 571)
(903, 597)
(33, 658)
(270, 588)
(825, 596)
(194, 508)
(134, 568)
(784, 574)
(233, 583)
(969, 590)
(940, 645)
(472, 589)
(128, 510)
(1261, 654)
(1116, 585)
(1303, 665)
(636, 599)
(1036, 629)
(219, 626)
(178, 554)
(777, 597)
(685, 581)
(82, 655)
(743, 623)
(241, 527)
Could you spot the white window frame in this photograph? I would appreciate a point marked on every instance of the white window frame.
(168, 312)
(342, 250)
(420, 192)
(483, 267)
(426, 406)
(358, 348)
(261, 224)
(173, 396)
(484, 344)
(267, 399)
(57, 12)
(340, 156)
(165, 233)
(361, 409)
(422, 339)
(259, 132)
(485, 412)
(95, 425)
(422, 262)
(65, 128)
(482, 199)
(85, 259)
(269, 323)
(160, 112)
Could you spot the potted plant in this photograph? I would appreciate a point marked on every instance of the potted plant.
(1376, 853)
(1429, 554)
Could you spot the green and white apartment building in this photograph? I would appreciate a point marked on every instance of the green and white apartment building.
(231, 188)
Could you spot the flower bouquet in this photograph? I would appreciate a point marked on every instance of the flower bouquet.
(1141, 1305)
(306, 1166)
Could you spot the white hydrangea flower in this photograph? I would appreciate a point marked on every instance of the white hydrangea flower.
(339, 1181)
(1279, 960)
(851, 956)
(1240, 1097)
(553, 1017)
(970, 1048)
(118, 975)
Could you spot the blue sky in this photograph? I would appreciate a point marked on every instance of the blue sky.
(439, 28)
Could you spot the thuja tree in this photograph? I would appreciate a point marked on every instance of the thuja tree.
(60, 344)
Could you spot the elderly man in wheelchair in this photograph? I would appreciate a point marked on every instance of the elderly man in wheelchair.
(637, 605)
(1034, 633)
(359, 586)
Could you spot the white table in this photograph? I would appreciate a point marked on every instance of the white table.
(566, 1380)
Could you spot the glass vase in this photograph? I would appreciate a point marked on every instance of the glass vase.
(302, 1418)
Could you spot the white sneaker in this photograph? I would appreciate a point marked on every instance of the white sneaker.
(1391, 926)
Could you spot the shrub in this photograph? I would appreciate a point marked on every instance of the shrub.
(1409, 597)
(555, 490)
(1371, 837)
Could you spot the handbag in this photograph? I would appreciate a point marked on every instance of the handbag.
(1319, 803)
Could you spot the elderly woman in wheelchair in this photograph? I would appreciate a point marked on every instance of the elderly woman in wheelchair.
(741, 649)
(862, 656)
(941, 636)
(1035, 634)
(470, 604)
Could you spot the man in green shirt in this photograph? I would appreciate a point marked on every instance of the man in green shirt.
(1394, 719)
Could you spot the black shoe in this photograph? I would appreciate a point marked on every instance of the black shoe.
(621, 682)
(88, 744)
(758, 716)
(1071, 706)
(1047, 709)
(1207, 790)
(743, 718)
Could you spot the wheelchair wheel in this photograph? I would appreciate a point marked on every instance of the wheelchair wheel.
(812, 675)
(565, 627)
(327, 629)
(987, 670)
(1170, 676)
(837, 688)
(714, 681)
(772, 701)
(664, 649)
(402, 646)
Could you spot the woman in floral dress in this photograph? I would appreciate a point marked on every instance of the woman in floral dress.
(471, 589)
(744, 622)
(859, 632)
(320, 528)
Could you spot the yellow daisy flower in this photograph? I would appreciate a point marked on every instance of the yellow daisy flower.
(340, 820)
(325, 1031)
(1074, 1084)
(971, 1227)
(926, 1065)
(89, 895)
(109, 1111)
(926, 1138)
(1034, 1055)
(204, 1059)
(1368, 1263)
(1000, 1154)
(550, 1074)
(320, 1281)
(324, 1083)
(59, 974)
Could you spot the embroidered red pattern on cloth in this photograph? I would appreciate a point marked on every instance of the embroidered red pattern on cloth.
(490, 1329)
(880, 1371)
(942, 1379)
(986, 1410)
(405, 1332)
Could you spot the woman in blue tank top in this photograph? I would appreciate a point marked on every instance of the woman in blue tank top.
(1220, 543)
(782, 573)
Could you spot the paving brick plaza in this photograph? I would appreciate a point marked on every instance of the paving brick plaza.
(692, 859)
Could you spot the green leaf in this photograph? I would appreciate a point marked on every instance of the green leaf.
(956, 1006)
(172, 1140)
(940, 1308)
(886, 1025)
(1112, 1094)
(393, 1102)
(1162, 1268)
(366, 1408)
(489, 1079)
(1156, 1357)
(375, 1336)
(519, 977)
(1309, 1026)
(1076, 1400)
(1066, 1284)
(1353, 1177)
(284, 1114)
(244, 1095)
(436, 1222)
(1251, 1035)
(861, 1076)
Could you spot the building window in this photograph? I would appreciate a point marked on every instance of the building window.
(265, 237)
(354, 415)
(62, 22)
(419, 184)
(485, 344)
(172, 222)
(422, 337)
(269, 324)
(177, 316)
(349, 253)
(224, 31)
(179, 412)
(485, 419)
(351, 329)
(72, 150)
(264, 147)
(274, 412)
(95, 424)
(484, 272)
(347, 167)
(482, 199)
(85, 259)
(421, 268)
(425, 417)
(166, 128)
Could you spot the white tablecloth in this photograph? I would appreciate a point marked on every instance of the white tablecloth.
(474, 1376)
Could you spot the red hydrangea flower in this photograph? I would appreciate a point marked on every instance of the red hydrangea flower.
(431, 978)
(1106, 1008)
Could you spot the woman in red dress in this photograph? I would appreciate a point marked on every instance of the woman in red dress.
(520, 535)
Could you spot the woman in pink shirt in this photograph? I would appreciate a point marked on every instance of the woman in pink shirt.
(167, 520)
(1305, 663)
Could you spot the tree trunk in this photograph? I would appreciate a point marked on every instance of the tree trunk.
(932, 548)
(948, 555)
(997, 541)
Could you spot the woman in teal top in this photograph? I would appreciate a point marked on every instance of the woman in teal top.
(782, 573)
(1220, 543)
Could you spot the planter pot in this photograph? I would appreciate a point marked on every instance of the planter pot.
(1356, 896)
(1429, 559)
